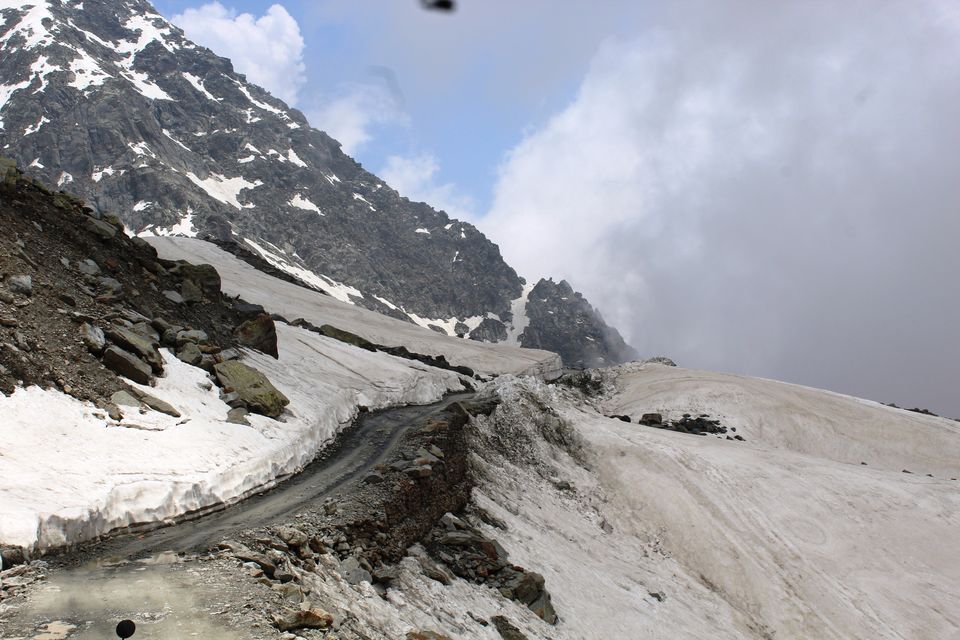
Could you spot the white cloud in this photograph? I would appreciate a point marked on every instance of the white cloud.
(768, 188)
(351, 118)
(416, 178)
(267, 49)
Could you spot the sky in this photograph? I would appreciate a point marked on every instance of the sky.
(763, 188)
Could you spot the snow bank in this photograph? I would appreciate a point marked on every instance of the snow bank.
(69, 473)
(645, 533)
(785, 535)
(292, 301)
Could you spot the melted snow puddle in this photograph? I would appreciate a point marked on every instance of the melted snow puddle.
(88, 602)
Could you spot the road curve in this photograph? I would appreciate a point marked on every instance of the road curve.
(359, 448)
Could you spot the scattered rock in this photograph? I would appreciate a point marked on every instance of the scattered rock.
(173, 296)
(310, 618)
(21, 284)
(506, 629)
(190, 291)
(238, 416)
(137, 344)
(260, 333)
(659, 596)
(126, 364)
(88, 267)
(159, 405)
(190, 353)
(352, 572)
(426, 635)
(124, 399)
(104, 230)
(254, 388)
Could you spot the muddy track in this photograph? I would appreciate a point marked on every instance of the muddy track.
(365, 444)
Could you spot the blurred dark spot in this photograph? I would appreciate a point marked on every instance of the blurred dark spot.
(438, 5)
(126, 628)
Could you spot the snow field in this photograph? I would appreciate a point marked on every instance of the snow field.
(292, 301)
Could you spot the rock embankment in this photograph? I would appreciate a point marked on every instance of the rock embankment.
(83, 305)
(405, 507)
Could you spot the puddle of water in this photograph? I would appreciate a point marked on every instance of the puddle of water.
(87, 603)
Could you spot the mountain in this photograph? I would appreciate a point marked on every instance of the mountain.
(110, 101)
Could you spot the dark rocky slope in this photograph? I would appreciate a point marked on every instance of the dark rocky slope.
(115, 104)
(81, 304)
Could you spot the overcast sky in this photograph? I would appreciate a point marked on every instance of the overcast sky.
(770, 188)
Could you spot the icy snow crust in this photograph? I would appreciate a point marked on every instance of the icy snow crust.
(785, 535)
(292, 302)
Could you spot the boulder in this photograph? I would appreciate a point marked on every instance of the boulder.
(190, 291)
(101, 229)
(194, 335)
(238, 415)
(204, 276)
(159, 405)
(88, 267)
(125, 399)
(21, 284)
(650, 419)
(173, 296)
(310, 618)
(259, 333)
(190, 353)
(506, 629)
(93, 338)
(127, 365)
(292, 536)
(426, 635)
(353, 573)
(143, 347)
(254, 388)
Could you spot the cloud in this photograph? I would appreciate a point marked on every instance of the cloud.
(764, 188)
(352, 117)
(267, 49)
(415, 177)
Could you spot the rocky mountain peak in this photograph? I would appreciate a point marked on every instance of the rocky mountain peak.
(111, 101)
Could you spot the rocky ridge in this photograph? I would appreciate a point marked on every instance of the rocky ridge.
(81, 303)
(112, 100)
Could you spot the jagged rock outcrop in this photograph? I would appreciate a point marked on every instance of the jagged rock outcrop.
(561, 320)
(112, 102)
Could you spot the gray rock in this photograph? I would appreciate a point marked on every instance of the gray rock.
(352, 572)
(238, 416)
(126, 364)
(193, 335)
(190, 291)
(21, 284)
(104, 230)
(292, 536)
(142, 346)
(93, 338)
(110, 286)
(173, 296)
(190, 353)
(88, 267)
(159, 405)
(124, 399)
(255, 390)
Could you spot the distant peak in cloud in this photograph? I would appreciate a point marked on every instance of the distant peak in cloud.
(267, 49)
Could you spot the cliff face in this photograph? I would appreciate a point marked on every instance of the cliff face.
(114, 103)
